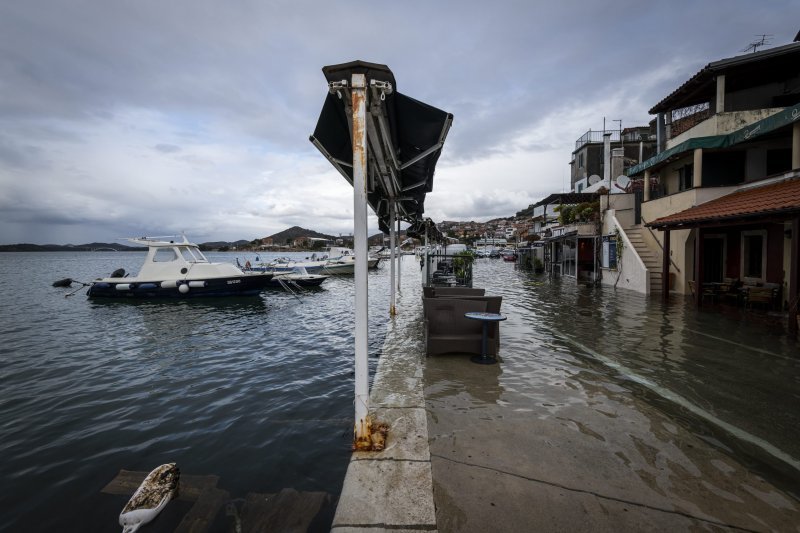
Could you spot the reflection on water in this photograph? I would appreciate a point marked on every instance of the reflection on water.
(739, 368)
(672, 395)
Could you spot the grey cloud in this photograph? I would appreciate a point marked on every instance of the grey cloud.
(247, 74)
(167, 148)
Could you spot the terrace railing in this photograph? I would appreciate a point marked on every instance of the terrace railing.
(449, 270)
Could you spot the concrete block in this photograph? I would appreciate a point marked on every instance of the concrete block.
(388, 494)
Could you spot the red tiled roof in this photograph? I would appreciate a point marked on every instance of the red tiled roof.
(776, 198)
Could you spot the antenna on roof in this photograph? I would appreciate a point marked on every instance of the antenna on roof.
(762, 40)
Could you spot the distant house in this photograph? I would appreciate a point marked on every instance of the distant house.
(630, 146)
(301, 242)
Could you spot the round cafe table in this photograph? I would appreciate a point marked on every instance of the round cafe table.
(486, 318)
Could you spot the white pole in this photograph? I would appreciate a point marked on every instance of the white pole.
(392, 240)
(425, 265)
(399, 258)
(361, 433)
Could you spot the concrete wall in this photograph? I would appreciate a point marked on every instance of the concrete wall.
(630, 272)
(623, 206)
(722, 124)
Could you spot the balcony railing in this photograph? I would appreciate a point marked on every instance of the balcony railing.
(596, 136)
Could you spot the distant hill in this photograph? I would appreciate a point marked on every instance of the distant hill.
(90, 247)
(223, 245)
(296, 232)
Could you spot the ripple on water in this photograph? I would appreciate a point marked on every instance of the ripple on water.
(255, 390)
(731, 377)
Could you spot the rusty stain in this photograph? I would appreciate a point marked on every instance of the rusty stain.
(370, 436)
(359, 132)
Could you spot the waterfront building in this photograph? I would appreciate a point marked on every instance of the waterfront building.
(724, 188)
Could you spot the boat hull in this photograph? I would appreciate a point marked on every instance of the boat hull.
(247, 285)
(312, 281)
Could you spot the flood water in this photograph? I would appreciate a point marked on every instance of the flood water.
(729, 376)
(255, 390)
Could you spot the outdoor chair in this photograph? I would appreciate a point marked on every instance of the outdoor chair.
(708, 291)
(761, 296)
(447, 330)
(457, 291)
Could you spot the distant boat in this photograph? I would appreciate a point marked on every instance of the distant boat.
(335, 261)
(298, 277)
(178, 270)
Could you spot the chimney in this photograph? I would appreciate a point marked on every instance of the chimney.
(617, 161)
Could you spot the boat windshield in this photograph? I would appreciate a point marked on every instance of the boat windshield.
(192, 255)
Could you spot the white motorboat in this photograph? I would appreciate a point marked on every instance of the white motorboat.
(335, 261)
(178, 270)
(297, 277)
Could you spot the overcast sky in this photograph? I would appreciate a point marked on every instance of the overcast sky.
(150, 117)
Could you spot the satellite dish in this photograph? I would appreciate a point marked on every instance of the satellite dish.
(623, 182)
(594, 178)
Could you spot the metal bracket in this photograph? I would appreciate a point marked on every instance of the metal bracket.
(336, 87)
(383, 86)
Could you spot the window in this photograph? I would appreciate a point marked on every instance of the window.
(165, 255)
(754, 254)
(686, 177)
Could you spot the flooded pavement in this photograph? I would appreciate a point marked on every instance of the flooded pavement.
(609, 411)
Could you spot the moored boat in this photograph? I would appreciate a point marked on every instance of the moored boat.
(298, 277)
(178, 270)
(336, 261)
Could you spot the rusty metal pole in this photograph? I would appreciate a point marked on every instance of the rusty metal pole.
(392, 244)
(362, 429)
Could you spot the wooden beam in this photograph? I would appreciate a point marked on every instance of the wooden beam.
(665, 268)
(698, 268)
(794, 276)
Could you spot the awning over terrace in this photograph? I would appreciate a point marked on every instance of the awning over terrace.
(568, 198)
(779, 201)
(756, 129)
(405, 138)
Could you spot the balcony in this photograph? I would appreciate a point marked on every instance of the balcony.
(596, 136)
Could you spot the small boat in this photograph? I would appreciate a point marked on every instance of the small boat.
(178, 270)
(298, 277)
(336, 261)
(342, 260)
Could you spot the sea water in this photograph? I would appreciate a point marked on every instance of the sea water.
(256, 390)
